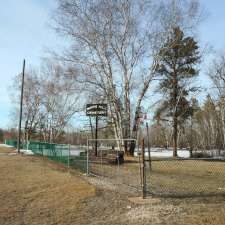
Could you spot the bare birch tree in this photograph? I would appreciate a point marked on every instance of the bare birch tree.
(115, 45)
(60, 99)
(51, 98)
(217, 75)
(31, 101)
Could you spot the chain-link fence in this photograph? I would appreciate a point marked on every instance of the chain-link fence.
(56, 152)
(159, 175)
(186, 177)
(11, 142)
(78, 158)
(109, 161)
(73, 156)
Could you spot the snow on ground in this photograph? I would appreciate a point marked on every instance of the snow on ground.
(164, 153)
(157, 152)
(76, 150)
(26, 152)
(4, 145)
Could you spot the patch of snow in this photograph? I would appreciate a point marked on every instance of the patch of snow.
(26, 152)
(75, 150)
(166, 153)
(4, 145)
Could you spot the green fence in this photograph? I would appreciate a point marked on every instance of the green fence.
(79, 161)
(56, 152)
(11, 142)
(75, 158)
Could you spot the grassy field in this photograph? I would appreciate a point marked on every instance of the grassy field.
(169, 177)
(187, 177)
(39, 191)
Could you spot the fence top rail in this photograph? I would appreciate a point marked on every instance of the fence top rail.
(41, 142)
(131, 139)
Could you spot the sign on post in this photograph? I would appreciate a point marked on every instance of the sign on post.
(96, 110)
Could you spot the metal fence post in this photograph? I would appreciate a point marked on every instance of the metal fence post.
(68, 156)
(143, 169)
(87, 157)
(149, 151)
(118, 165)
(101, 164)
(139, 160)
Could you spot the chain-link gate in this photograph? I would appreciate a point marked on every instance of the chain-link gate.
(110, 161)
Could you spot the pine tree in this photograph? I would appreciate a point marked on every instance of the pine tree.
(176, 68)
(1, 135)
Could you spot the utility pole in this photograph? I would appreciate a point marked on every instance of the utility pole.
(21, 109)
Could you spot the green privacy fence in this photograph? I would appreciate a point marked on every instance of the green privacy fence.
(56, 152)
(72, 156)
(78, 160)
(11, 142)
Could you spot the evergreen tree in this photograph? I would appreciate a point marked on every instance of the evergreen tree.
(1, 135)
(176, 68)
(191, 136)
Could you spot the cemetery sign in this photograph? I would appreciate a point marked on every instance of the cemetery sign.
(96, 110)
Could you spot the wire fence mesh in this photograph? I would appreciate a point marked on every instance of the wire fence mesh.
(73, 156)
(11, 142)
(78, 158)
(164, 176)
(186, 177)
(109, 161)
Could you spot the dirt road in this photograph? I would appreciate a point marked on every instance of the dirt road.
(37, 191)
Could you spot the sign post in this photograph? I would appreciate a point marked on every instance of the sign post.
(96, 135)
(96, 110)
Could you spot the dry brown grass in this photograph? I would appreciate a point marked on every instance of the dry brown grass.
(187, 177)
(6, 150)
(33, 192)
(170, 177)
(37, 191)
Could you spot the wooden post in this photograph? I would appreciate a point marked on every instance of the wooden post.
(21, 110)
(143, 169)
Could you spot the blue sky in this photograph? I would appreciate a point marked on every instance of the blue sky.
(25, 33)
